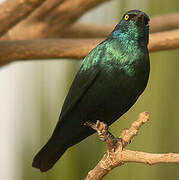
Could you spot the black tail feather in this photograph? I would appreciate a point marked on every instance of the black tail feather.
(48, 156)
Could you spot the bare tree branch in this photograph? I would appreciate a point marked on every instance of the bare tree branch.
(84, 30)
(26, 31)
(70, 11)
(72, 48)
(44, 10)
(45, 49)
(13, 11)
(128, 156)
(164, 41)
(117, 155)
(35, 21)
(164, 23)
(56, 21)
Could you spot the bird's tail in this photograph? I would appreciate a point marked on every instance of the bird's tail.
(48, 156)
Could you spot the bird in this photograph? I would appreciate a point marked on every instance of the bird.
(109, 81)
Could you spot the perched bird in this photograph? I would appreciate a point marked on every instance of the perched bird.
(110, 80)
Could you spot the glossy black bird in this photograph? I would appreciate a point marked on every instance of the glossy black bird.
(110, 80)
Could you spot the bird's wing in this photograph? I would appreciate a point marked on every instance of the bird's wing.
(86, 76)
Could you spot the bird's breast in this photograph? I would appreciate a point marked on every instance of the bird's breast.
(127, 81)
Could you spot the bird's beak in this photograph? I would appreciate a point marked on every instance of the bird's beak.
(141, 17)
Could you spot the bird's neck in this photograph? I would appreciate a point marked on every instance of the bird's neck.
(131, 36)
(126, 47)
(129, 42)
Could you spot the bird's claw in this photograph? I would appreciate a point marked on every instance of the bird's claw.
(100, 127)
(104, 135)
(102, 130)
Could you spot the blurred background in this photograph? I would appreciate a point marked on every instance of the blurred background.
(32, 93)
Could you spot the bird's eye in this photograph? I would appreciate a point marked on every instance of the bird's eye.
(126, 17)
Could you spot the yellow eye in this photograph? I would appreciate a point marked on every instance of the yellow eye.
(126, 17)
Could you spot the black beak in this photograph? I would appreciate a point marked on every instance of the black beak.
(142, 18)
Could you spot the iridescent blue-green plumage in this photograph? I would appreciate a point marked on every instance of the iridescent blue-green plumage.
(108, 83)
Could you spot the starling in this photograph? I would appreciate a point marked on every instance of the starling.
(110, 80)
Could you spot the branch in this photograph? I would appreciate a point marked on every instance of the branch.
(72, 48)
(164, 23)
(13, 11)
(118, 156)
(44, 10)
(164, 41)
(84, 30)
(45, 49)
(56, 20)
(26, 31)
(69, 11)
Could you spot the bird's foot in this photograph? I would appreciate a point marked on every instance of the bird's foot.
(104, 135)
(100, 127)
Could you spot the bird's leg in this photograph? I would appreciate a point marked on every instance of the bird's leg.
(104, 135)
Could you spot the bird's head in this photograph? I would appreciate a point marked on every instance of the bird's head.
(134, 23)
(135, 18)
